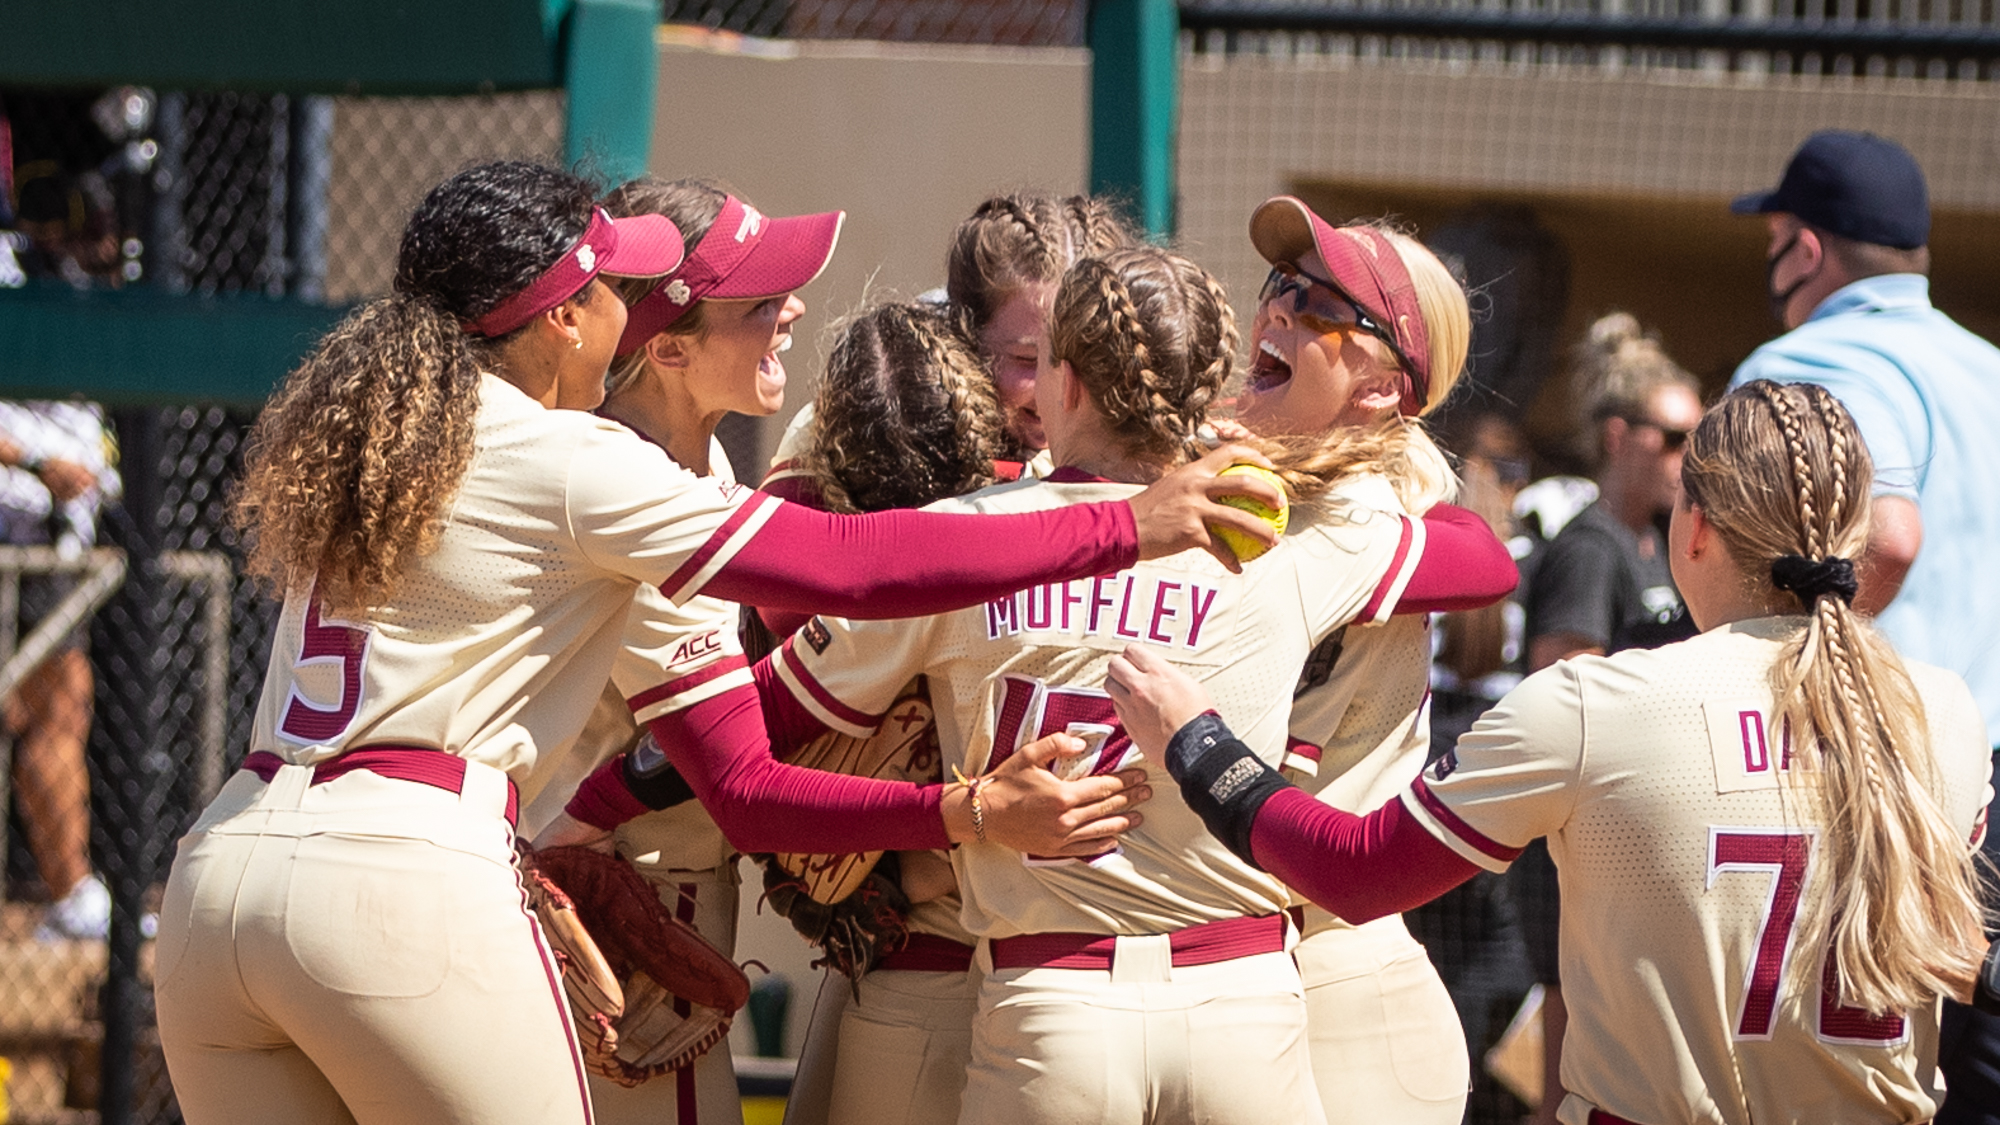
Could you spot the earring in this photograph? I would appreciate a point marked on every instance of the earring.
(576, 341)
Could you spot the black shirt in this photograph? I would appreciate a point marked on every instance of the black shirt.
(1597, 584)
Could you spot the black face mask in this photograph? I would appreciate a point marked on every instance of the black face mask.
(1779, 301)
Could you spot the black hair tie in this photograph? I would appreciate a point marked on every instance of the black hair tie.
(1812, 580)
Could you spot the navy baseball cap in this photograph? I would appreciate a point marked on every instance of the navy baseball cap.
(1856, 185)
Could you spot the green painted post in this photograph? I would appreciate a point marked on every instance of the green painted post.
(610, 71)
(1134, 46)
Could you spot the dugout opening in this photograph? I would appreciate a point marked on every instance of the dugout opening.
(1544, 264)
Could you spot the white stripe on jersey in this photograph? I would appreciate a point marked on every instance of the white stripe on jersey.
(751, 518)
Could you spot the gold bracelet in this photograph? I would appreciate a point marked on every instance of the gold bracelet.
(974, 785)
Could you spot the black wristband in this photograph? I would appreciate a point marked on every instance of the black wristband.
(653, 779)
(1222, 780)
(1986, 988)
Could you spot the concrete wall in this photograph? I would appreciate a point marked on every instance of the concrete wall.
(906, 139)
(1631, 173)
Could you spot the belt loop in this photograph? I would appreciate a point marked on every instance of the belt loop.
(1143, 959)
(287, 789)
(485, 791)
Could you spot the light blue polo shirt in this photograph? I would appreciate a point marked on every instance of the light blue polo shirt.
(1926, 396)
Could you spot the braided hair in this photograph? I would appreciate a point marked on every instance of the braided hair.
(1152, 338)
(1021, 239)
(1783, 476)
(1016, 246)
(905, 414)
(352, 467)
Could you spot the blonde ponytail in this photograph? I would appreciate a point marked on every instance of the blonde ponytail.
(1780, 471)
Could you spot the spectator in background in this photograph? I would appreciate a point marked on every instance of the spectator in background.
(1479, 651)
(58, 468)
(12, 276)
(1850, 225)
(1603, 585)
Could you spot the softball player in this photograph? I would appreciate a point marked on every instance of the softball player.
(1001, 273)
(715, 352)
(459, 545)
(905, 415)
(1386, 1039)
(1764, 834)
(1150, 982)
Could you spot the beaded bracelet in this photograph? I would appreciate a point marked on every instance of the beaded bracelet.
(974, 785)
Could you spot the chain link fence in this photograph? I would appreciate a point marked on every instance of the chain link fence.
(131, 662)
(1022, 23)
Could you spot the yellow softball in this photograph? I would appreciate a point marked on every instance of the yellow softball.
(1245, 547)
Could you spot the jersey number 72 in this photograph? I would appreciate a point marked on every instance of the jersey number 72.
(1787, 854)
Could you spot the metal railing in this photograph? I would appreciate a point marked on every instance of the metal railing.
(1842, 43)
(100, 572)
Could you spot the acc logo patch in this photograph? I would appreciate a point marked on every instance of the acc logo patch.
(816, 634)
(1444, 767)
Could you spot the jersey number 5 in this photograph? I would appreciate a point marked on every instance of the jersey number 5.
(1787, 855)
(326, 640)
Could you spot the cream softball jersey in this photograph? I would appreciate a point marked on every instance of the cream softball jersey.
(351, 949)
(1386, 1040)
(1149, 1035)
(1662, 785)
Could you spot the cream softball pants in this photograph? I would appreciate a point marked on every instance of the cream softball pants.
(1386, 1041)
(1143, 1043)
(359, 951)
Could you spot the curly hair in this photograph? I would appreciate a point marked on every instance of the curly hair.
(352, 467)
(905, 414)
(1781, 470)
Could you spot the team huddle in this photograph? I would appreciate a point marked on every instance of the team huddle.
(1092, 819)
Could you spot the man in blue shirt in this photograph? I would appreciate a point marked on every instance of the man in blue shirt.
(1847, 265)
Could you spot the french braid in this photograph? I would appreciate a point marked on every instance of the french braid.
(1894, 892)
(1152, 338)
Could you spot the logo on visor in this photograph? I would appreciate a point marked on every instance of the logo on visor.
(751, 224)
(677, 292)
(586, 257)
(1361, 240)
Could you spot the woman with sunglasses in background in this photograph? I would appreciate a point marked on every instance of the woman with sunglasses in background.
(1604, 586)
(1346, 348)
